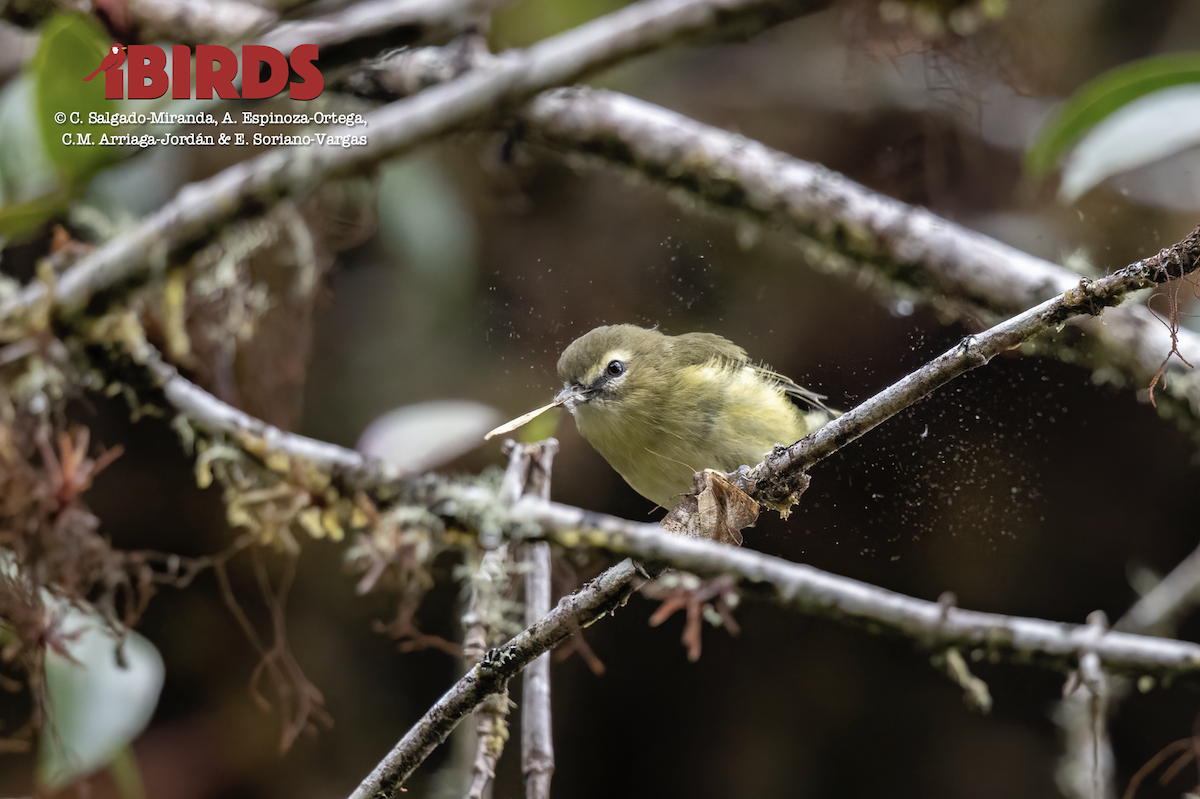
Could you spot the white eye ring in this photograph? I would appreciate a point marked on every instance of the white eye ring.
(615, 368)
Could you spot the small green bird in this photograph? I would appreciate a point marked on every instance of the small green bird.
(659, 408)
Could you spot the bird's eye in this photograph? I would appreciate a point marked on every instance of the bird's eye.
(615, 368)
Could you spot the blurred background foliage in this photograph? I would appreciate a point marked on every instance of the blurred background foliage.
(1029, 487)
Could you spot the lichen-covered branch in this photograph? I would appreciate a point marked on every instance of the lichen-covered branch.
(537, 728)
(601, 596)
(257, 183)
(813, 592)
(488, 618)
(203, 410)
(800, 587)
(774, 481)
(484, 629)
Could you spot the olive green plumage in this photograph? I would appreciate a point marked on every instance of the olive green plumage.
(659, 408)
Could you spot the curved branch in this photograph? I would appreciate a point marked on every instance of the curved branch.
(799, 587)
(203, 410)
(907, 245)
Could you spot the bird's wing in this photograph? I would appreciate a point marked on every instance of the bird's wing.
(697, 349)
(792, 389)
(702, 348)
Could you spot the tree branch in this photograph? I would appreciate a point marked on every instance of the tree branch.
(795, 586)
(204, 410)
(537, 728)
(603, 595)
(798, 587)
(813, 592)
(774, 481)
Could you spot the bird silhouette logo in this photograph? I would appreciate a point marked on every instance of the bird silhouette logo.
(115, 58)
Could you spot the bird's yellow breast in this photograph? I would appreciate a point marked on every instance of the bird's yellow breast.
(710, 416)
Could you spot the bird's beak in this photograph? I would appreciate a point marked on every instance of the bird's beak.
(572, 396)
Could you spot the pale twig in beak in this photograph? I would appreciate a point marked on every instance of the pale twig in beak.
(569, 396)
(524, 419)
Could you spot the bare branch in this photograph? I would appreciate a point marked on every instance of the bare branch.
(965, 273)
(1161, 609)
(246, 188)
(909, 246)
(601, 596)
(1086, 769)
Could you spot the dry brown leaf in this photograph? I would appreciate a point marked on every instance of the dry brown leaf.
(716, 509)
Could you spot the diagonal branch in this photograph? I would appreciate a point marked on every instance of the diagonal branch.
(967, 274)
(776, 479)
(601, 596)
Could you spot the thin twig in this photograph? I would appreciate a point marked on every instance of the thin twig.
(601, 596)
(528, 472)
(537, 738)
(1161, 609)
(1088, 756)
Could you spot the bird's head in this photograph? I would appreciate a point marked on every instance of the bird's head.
(611, 368)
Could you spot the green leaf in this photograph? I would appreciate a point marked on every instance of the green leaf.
(1149, 129)
(72, 46)
(102, 693)
(23, 217)
(25, 169)
(1104, 95)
